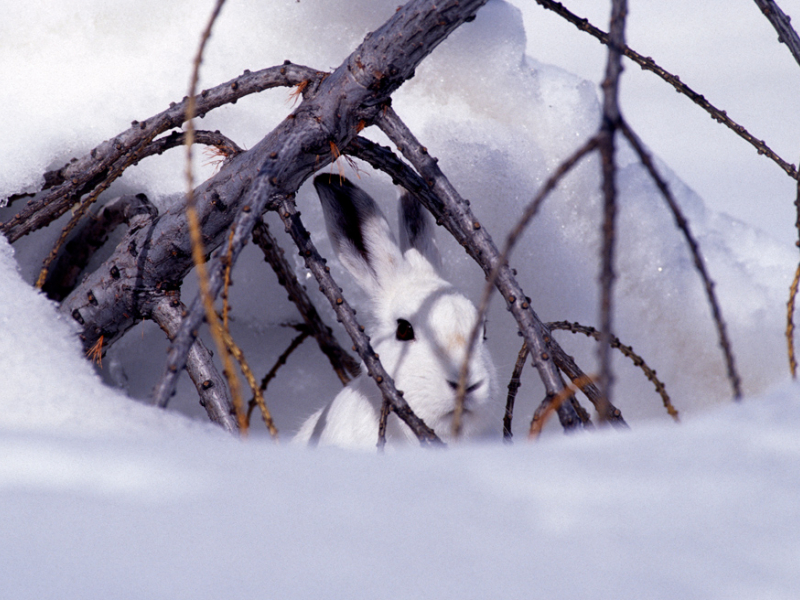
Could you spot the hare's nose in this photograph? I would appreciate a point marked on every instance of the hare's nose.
(470, 389)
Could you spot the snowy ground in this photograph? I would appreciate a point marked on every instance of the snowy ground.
(104, 497)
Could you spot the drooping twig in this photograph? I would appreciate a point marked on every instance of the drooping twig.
(295, 343)
(649, 64)
(699, 263)
(513, 386)
(628, 352)
(167, 313)
(345, 366)
(65, 186)
(530, 211)
(782, 24)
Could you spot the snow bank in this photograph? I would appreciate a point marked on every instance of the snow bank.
(704, 511)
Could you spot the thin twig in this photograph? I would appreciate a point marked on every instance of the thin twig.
(607, 134)
(513, 387)
(699, 263)
(793, 294)
(782, 24)
(345, 366)
(295, 343)
(649, 64)
(628, 352)
(790, 322)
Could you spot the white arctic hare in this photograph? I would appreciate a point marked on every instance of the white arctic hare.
(420, 329)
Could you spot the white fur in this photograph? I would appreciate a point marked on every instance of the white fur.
(404, 284)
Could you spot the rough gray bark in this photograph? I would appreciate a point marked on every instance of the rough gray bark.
(210, 384)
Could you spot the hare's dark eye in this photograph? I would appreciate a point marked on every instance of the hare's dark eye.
(405, 332)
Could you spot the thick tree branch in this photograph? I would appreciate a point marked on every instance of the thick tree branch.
(65, 186)
(214, 397)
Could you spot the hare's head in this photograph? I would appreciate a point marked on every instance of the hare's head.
(421, 323)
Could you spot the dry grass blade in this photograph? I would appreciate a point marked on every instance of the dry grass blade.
(237, 353)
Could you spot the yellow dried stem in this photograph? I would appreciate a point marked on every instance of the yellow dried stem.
(195, 232)
(237, 353)
(790, 322)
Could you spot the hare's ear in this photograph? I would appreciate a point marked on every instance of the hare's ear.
(359, 232)
(417, 230)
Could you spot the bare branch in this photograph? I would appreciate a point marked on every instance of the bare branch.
(82, 175)
(782, 24)
(513, 386)
(607, 134)
(91, 236)
(626, 351)
(649, 64)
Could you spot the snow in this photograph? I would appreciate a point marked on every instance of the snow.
(104, 497)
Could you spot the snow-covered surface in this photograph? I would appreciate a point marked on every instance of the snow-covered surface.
(104, 497)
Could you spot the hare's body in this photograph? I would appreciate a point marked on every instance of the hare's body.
(421, 327)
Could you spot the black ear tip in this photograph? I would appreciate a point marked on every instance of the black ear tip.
(331, 181)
